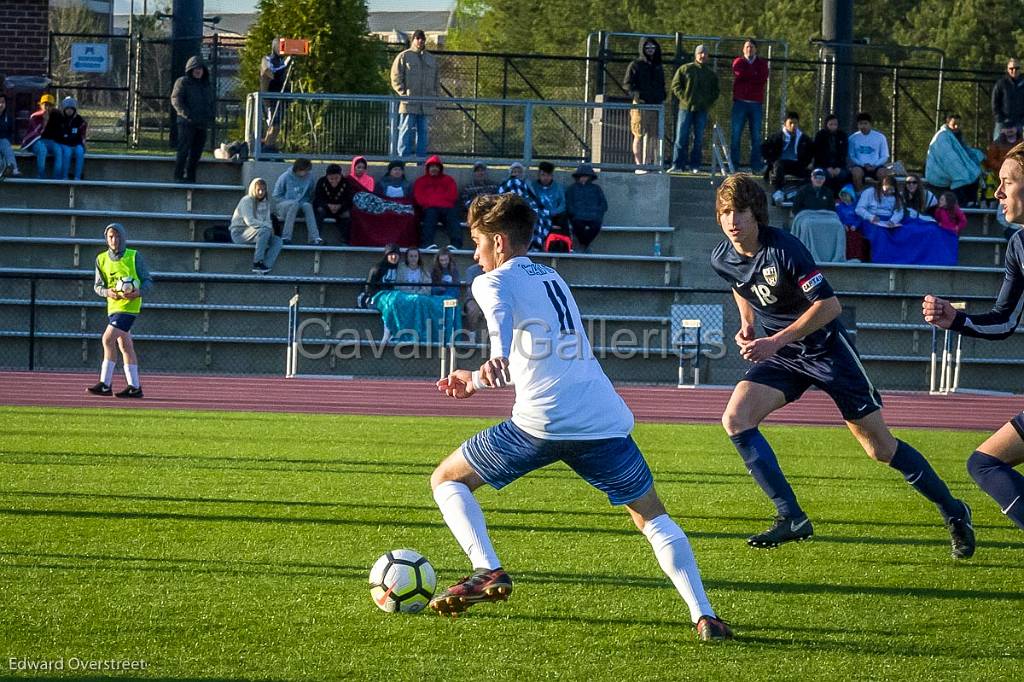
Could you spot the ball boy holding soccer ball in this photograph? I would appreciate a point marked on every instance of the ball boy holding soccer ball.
(121, 278)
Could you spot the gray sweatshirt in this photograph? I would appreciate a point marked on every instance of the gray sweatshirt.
(146, 279)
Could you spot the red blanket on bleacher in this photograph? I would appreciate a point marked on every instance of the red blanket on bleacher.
(379, 222)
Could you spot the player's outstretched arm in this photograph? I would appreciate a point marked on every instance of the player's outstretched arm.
(938, 311)
(458, 384)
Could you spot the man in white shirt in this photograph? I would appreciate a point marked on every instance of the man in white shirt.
(565, 410)
(868, 151)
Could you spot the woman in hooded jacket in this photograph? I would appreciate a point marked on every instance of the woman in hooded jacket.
(251, 224)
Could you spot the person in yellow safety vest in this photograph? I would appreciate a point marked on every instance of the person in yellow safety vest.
(122, 279)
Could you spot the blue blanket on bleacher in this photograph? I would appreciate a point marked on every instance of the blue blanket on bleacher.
(415, 318)
(915, 242)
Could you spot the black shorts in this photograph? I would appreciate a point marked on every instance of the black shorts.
(122, 321)
(837, 371)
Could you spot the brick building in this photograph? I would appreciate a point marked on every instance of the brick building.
(23, 37)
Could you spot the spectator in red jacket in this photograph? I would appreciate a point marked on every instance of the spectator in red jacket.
(750, 75)
(437, 196)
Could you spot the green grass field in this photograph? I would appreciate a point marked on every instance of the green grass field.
(231, 546)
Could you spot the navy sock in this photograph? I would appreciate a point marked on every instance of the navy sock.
(760, 459)
(919, 474)
(1001, 482)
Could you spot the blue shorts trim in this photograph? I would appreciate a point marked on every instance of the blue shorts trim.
(838, 372)
(615, 466)
(122, 321)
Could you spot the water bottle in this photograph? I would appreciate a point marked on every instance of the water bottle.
(657, 248)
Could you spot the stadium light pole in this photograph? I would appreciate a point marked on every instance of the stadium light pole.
(837, 27)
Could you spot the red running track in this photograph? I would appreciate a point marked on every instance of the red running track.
(421, 398)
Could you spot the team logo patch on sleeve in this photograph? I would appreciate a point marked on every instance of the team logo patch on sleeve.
(810, 281)
(771, 275)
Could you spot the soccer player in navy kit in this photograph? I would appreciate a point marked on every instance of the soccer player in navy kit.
(992, 464)
(565, 410)
(775, 281)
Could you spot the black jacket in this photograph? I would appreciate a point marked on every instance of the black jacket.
(74, 131)
(1008, 99)
(811, 198)
(830, 149)
(193, 98)
(647, 77)
(324, 194)
(771, 149)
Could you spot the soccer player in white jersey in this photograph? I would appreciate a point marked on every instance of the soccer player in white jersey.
(565, 410)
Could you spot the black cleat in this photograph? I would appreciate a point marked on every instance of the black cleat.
(100, 389)
(785, 530)
(961, 534)
(711, 629)
(130, 392)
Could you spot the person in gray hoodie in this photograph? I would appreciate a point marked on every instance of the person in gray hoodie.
(195, 102)
(251, 224)
(586, 205)
(122, 278)
(293, 192)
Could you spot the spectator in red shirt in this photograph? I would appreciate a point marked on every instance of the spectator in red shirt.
(750, 75)
(437, 195)
(948, 214)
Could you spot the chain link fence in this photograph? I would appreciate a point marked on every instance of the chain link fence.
(232, 324)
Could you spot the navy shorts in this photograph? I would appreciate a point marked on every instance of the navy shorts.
(837, 371)
(122, 321)
(615, 466)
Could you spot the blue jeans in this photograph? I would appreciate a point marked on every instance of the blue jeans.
(43, 148)
(76, 154)
(7, 154)
(685, 122)
(409, 125)
(434, 215)
(750, 113)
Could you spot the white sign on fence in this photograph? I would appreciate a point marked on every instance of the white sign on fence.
(89, 57)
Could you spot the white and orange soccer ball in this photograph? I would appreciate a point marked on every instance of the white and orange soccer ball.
(402, 581)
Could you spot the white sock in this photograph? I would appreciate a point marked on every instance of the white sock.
(131, 373)
(465, 519)
(107, 371)
(676, 558)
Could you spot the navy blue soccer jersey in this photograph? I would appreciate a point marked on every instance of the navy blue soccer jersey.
(1002, 320)
(780, 281)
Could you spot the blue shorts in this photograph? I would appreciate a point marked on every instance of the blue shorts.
(122, 321)
(837, 371)
(615, 466)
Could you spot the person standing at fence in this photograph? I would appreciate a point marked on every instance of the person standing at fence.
(195, 103)
(121, 277)
(414, 73)
(775, 282)
(42, 137)
(695, 85)
(8, 164)
(1008, 98)
(750, 76)
(273, 78)
(993, 466)
(645, 80)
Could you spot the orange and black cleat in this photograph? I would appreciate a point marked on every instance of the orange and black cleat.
(711, 629)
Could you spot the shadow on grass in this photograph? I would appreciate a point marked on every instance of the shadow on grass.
(291, 568)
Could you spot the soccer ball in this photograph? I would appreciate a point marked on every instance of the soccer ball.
(402, 581)
(126, 285)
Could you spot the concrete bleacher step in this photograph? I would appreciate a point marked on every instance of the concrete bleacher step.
(913, 278)
(916, 338)
(73, 252)
(102, 195)
(144, 167)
